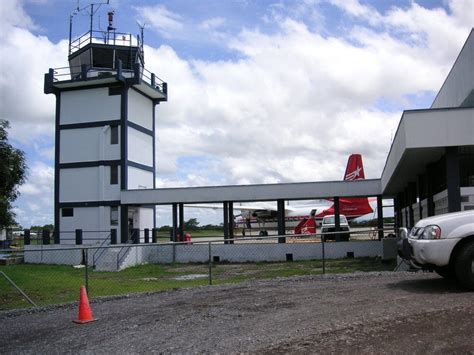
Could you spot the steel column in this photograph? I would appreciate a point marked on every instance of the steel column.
(174, 230)
(380, 216)
(231, 222)
(181, 221)
(281, 220)
(337, 218)
(453, 179)
(226, 223)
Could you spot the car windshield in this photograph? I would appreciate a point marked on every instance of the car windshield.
(328, 220)
(331, 220)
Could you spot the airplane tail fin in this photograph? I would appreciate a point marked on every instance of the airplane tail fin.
(354, 168)
(355, 205)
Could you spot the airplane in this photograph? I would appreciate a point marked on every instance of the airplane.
(264, 217)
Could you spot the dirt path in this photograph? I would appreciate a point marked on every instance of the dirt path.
(372, 312)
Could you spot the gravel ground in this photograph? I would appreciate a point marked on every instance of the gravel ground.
(371, 312)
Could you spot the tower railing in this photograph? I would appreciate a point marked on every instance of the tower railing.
(105, 70)
(104, 37)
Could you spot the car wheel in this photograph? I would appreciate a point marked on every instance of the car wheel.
(464, 266)
(446, 271)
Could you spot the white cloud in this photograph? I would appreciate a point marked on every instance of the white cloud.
(160, 19)
(292, 107)
(35, 205)
(22, 101)
(13, 14)
(212, 24)
(298, 103)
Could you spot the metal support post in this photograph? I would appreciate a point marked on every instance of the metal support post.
(380, 216)
(78, 236)
(337, 218)
(113, 236)
(226, 223)
(181, 222)
(154, 233)
(453, 180)
(147, 235)
(210, 264)
(323, 252)
(86, 268)
(174, 231)
(281, 220)
(27, 237)
(46, 237)
(231, 222)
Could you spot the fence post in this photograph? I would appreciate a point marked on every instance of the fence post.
(210, 264)
(324, 256)
(113, 236)
(86, 272)
(45, 236)
(27, 237)
(78, 236)
(154, 232)
(147, 235)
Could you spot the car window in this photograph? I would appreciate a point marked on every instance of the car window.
(328, 220)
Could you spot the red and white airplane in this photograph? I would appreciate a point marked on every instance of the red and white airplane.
(264, 216)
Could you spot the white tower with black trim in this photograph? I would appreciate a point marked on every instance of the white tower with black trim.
(105, 135)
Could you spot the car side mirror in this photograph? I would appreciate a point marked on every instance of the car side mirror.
(403, 233)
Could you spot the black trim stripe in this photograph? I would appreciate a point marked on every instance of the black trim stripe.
(85, 87)
(78, 204)
(140, 128)
(140, 166)
(124, 139)
(90, 124)
(56, 164)
(89, 164)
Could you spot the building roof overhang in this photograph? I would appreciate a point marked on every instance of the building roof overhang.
(421, 138)
(249, 193)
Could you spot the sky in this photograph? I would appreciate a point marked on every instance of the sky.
(260, 91)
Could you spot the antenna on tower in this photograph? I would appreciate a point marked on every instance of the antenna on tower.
(141, 39)
(91, 9)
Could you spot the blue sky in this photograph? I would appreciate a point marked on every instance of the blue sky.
(260, 91)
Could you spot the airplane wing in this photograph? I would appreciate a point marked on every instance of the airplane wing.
(263, 207)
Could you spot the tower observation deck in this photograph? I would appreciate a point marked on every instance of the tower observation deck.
(101, 57)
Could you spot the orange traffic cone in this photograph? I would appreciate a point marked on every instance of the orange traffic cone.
(85, 312)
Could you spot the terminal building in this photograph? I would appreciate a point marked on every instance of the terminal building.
(106, 113)
(430, 166)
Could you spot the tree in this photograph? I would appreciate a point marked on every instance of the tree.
(13, 172)
(191, 224)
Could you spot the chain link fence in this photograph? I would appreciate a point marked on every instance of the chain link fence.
(43, 273)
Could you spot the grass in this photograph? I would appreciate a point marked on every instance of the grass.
(53, 284)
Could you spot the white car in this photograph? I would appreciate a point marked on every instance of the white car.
(444, 244)
(328, 225)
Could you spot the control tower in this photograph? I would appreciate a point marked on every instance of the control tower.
(105, 133)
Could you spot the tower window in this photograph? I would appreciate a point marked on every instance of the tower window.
(67, 212)
(114, 135)
(114, 175)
